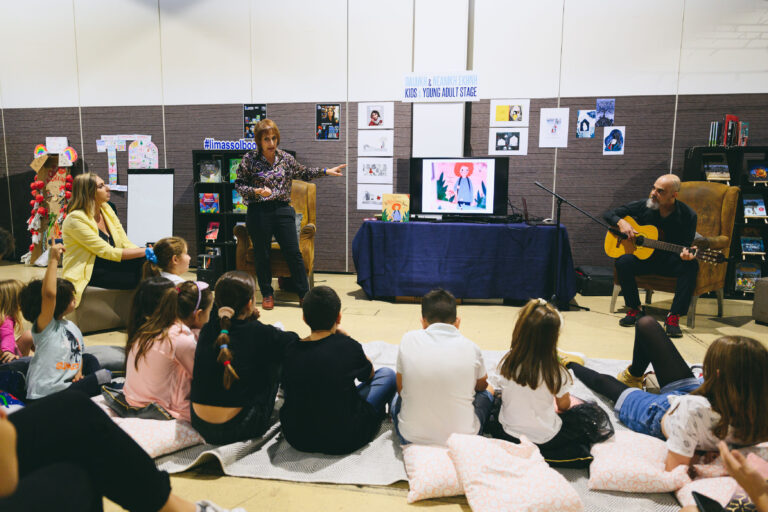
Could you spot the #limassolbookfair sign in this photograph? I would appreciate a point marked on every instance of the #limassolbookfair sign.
(440, 87)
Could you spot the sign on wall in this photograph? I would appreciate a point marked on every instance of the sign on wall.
(440, 87)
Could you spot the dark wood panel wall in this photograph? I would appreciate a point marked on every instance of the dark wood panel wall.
(579, 172)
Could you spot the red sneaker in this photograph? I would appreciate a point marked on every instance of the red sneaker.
(268, 303)
(631, 319)
(672, 326)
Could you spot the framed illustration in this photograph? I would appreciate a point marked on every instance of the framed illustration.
(376, 115)
(553, 128)
(327, 121)
(369, 197)
(375, 170)
(514, 112)
(375, 142)
(508, 141)
(614, 140)
(585, 124)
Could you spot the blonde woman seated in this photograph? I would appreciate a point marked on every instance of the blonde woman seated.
(98, 252)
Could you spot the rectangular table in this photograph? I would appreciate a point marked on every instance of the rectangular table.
(512, 261)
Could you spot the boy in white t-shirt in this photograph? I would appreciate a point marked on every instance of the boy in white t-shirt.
(441, 378)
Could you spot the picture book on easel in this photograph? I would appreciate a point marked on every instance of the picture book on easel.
(754, 206)
(752, 244)
(758, 171)
(209, 202)
(747, 275)
(395, 207)
(212, 232)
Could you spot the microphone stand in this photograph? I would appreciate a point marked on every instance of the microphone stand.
(555, 299)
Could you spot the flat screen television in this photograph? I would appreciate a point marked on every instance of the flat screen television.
(459, 186)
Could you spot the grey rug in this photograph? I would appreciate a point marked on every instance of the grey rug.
(381, 461)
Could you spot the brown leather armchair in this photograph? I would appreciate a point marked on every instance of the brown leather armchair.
(715, 205)
(303, 200)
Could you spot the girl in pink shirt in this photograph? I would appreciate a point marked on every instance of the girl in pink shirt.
(161, 353)
(14, 341)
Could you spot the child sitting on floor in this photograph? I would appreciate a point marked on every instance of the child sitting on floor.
(168, 258)
(161, 354)
(324, 411)
(14, 341)
(441, 378)
(690, 414)
(237, 365)
(59, 362)
(534, 381)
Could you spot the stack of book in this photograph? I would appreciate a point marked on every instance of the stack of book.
(730, 132)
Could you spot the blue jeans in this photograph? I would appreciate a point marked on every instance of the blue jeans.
(482, 402)
(379, 390)
(642, 411)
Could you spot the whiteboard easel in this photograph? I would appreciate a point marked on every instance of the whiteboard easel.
(150, 205)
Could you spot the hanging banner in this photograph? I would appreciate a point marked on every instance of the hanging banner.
(440, 87)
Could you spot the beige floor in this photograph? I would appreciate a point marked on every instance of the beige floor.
(488, 323)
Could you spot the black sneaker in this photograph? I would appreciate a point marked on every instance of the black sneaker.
(631, 319)
(672, 326)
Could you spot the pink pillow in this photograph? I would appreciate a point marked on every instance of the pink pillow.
(502, 476)
(431, 473)
(632, 462)
(160, 437)
(719, 489)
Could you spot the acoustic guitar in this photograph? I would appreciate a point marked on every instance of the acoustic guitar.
(647, 240)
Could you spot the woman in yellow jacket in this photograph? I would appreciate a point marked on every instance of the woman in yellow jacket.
(98, 251)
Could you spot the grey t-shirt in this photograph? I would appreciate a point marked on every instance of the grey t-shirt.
(57, 359)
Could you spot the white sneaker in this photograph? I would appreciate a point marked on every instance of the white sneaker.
(207, 506)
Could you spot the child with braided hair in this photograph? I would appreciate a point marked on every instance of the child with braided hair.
(237, 365)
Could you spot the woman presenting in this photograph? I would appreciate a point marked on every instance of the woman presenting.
(98, 251)
(264, 181)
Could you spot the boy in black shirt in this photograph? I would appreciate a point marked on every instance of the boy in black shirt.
(324, 411)
(677, 224)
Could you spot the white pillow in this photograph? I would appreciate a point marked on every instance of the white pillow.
(431, 473)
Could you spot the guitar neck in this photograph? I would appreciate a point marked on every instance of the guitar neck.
(663, 246)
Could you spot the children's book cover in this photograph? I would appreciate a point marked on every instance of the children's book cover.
(209, 202)
(752, 244)
(758, 171)
(234, 163)
(396, 207)
(754, 206)
(210, 171)
(212, 232)
(238, 205)
(746, 275)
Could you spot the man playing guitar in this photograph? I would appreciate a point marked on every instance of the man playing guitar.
(676, 222)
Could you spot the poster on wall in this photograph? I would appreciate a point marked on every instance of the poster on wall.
(373, 115)
(510, 112)
(375, 170)
(375, 142)
(553, 128)
(606, 111)
(369, 196)
(614, 140)
(252, 114)
(585, 124)
(508, 141)
(327, 121)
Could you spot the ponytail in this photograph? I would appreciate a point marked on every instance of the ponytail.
(160, 256)
(222, 343)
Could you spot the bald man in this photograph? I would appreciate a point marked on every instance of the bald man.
(677, 224)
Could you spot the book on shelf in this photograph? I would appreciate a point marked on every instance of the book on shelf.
(754, 206)
(234, 163)
(212, 231)
(743, 133)
(746, 274)
(730, 129)
(238, 205)
(209, 202)
(210, 171)
(715, 167)
(757, 171)
(752, 244)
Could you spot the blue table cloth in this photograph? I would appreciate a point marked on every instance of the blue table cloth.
(512, 261)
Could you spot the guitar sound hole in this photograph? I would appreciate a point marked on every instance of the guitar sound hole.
(639, 239)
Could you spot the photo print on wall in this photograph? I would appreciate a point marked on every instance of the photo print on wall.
(375, 142)
(585, 124)
(508, 141)
(614, 140)
(553, 128)
(327, 121)
(375, 170)
(252, 114)
(515, 112)
(375, 115)
(606, 111)
(369, 197)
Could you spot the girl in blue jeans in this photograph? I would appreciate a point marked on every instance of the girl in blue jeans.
(689, 413)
